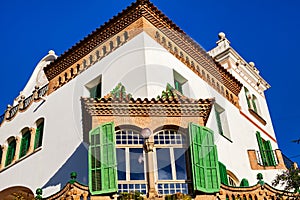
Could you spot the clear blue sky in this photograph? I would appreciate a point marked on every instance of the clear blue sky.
(263, 31)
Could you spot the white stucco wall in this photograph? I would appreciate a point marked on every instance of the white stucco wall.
(144, 68)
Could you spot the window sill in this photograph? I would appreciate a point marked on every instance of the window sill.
(257, 116)
(227, 138)
(20, 159)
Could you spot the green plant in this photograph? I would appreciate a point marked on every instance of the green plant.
(136, 195)
(177, 196)
(290, 179)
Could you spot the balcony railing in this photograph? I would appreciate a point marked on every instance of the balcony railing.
(270, 158)
(24, 103)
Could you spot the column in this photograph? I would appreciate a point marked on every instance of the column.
(18, 145)
(148, 147)
(32, 140)
(3, 159)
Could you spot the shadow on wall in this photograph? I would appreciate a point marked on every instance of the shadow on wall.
(77, 162)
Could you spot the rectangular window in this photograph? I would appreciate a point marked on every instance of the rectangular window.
(95, 92)
(222, 122)
(94, 88)
(179, 82)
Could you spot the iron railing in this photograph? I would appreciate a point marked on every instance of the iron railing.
(270, 158)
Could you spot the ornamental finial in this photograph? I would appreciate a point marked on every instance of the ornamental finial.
(142, 1)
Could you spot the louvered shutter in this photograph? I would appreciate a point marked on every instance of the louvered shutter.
(102, 160)
(10, 152)
(25, 142)
(261, 149)
(39, 136)
(269, 153)
(205, 167)
(223, 173)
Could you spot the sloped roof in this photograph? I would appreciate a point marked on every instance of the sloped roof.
(169, 104)
(138, 9)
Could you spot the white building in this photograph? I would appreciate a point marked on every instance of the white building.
(139, 72)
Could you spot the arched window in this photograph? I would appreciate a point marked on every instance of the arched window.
(39, 133)
(11, 150)
(25, 142)
(131, 166)
(232, 179)
(171, 150)
(247, 95)
(255, 104)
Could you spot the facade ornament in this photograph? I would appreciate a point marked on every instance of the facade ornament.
(7, 112)
(39, 193)
(35, 92)
(21, 102)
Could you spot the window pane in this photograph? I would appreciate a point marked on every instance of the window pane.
(121, 164)
(180, 163)
(164, 164)
(137, 171)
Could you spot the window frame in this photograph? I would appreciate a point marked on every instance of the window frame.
(25, 142)
(222, 121)
(94, 87)
(179, 82)
(177, 184)
(39, 133)
(11, 151)
(128, 185)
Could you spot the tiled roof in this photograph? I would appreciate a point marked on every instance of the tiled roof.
(71, 55)
(138, 9)
(168, 106)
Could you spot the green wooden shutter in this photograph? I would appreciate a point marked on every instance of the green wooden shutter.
(244, 183)
(25, 142)
(223, 173)
(261, 149)
(39, 135)
(205, 167)
(246, 94)
(270, 154)
(102, 160)
(254, 103)
(10, 152)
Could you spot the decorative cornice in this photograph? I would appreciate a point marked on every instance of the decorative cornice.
(138, 10)
(71, 191)
(162, 107)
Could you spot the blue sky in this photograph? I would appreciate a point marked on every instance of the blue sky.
(263, 31)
